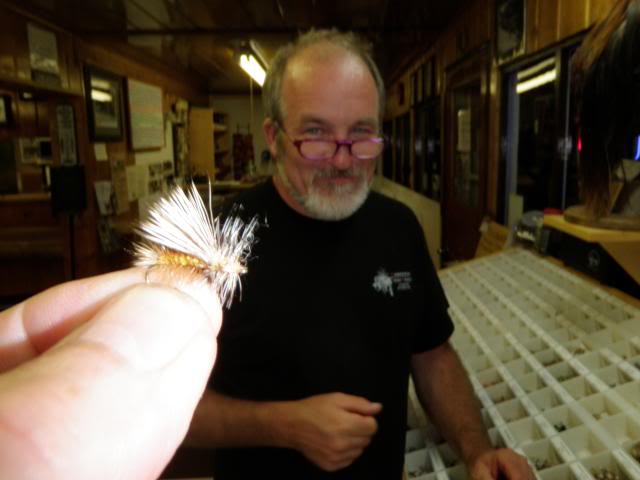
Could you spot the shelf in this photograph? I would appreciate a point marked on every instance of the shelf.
(30, 85)
(591, 234)
(219, 128)
(222, 151)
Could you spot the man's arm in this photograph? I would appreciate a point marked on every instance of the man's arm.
(447, 396)
(331, 430)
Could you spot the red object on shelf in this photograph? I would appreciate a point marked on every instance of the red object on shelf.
(552, 211)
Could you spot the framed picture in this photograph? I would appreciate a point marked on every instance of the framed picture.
(510, 28)
(103, 91)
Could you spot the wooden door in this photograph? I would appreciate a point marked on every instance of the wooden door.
(465, 155)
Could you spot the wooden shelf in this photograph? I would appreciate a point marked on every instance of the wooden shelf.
(222, 151)
(219, 128)
(25, 197)
(590, 234)
(32, 86)
(622, 245)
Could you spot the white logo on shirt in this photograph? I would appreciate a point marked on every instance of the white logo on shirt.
(384, 283)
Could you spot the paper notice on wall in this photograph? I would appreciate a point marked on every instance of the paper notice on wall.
(100, 149)
(66, 135)
(137, 182)
(131, 173)
(104, 196)
(145, 115)
(464, 130)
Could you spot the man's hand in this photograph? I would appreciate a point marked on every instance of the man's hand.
(500, 463)
(99, 377)
(332, 430)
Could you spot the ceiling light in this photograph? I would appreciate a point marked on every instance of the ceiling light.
(250, 65)
(535, 82)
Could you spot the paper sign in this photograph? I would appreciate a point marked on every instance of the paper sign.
(104, 197)
(100, 150)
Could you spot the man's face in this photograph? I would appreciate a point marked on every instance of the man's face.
(327, 93)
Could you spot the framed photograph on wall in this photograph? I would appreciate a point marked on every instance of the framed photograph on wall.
(103, 92)
(510, 29)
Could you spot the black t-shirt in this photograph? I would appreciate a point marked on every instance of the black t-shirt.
(329, 307)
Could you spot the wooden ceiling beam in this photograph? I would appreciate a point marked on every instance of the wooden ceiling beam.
(241, 31)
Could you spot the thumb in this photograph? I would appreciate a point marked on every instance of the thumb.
(360, 405)
(113, 399)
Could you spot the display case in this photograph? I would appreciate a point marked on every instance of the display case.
(555, 363)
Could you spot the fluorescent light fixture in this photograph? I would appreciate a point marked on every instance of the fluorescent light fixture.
(537, 81)
(100, 96)
(637, 156)
(250, 65)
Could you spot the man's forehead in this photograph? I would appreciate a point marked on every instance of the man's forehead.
(322, 56)
(321, 73)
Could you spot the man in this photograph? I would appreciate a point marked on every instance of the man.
(340, 302)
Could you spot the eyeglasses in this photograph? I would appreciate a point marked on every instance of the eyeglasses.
(317, 150)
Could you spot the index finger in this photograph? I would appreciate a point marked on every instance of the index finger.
(31, 327)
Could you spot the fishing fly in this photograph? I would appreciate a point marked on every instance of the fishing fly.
(182, 235)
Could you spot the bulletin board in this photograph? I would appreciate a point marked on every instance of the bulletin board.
(145, 115)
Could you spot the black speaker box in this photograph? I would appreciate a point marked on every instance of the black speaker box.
(68, 191)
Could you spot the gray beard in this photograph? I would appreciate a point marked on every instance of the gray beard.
(341, 203)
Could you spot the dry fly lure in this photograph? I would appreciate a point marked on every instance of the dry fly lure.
(181, 233)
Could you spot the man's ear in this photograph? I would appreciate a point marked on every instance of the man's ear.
(270, 129)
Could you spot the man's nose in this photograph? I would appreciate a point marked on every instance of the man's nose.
(343, 159)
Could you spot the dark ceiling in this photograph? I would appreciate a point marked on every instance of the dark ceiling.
(202, 37)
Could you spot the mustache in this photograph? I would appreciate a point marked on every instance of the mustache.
(337, 173)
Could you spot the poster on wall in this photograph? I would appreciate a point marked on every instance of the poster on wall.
(145, 115)
(66, 135)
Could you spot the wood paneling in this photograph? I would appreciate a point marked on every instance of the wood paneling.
(546, 23)
(37, 118)
(573, 16)
(598, 9)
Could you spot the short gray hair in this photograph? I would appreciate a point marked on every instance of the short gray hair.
(272, 89)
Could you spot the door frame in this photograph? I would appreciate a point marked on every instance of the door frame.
(474, 67)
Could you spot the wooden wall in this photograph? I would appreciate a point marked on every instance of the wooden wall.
(37, 117)
(547, 22)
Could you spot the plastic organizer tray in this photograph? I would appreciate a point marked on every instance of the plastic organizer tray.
(555, 363)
